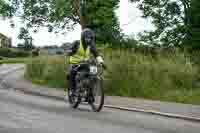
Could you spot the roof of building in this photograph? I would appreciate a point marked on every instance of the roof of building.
(2, 35)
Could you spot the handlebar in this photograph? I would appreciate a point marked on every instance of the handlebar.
(103, 66)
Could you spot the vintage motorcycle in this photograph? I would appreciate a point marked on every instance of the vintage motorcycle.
(89, 85)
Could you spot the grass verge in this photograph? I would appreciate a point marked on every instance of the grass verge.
(14, 60)
(167, 78)
(50, 71)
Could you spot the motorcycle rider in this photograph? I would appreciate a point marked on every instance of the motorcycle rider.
(82, 50)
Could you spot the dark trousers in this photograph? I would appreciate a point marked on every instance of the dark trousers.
(72, 77)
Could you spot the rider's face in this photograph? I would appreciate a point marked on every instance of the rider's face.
(88, 39)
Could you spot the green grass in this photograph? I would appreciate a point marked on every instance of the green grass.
(48, 71)
(166, 78)
(14, 60)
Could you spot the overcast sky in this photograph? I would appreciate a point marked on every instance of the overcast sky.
(130, 22)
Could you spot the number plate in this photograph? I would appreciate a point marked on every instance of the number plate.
(93, 69)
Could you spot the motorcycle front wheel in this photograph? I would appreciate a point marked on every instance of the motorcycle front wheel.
(73, 100)
(96, 100)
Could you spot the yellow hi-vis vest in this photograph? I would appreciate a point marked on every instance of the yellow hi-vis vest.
(80, 55)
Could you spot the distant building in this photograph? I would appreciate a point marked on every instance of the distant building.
(5, 42)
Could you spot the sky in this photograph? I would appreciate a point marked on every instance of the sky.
(130, 19)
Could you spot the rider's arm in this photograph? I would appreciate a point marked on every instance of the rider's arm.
(74, 48)
(94, 51)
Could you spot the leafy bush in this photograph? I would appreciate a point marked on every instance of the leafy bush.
(35, 52)
(11, 53)
(20, 53)
(5, 52)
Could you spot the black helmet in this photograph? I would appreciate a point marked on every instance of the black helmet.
(88, 36)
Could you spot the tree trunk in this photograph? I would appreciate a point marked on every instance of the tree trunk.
(77, 7)
(186, 7)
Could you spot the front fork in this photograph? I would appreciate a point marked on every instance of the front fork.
(87, 93)
(92, 87)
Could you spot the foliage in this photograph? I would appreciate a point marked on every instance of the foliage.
(5, 9)
(128, 42)
(35, 52)
(169, 78)
(147, 76)
(27, 40)
(14, 61)
(170, 19)
(101, 18)
(27, 45)
(45, 70)
(61, 15)
(6, 52)
(193, 39)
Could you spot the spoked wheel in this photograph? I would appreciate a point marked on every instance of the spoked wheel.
(74, 100)
(96, 100)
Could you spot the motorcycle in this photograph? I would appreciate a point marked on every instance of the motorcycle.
(89, 85)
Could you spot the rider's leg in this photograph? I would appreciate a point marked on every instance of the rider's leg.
(72, 79)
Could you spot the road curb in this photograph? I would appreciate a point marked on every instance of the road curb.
(34, 93)
(152, 112)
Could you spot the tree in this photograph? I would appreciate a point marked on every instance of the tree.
(193, 39)
(5, 9)
(170, 19)
(102, 18)
(128, 42)
(59, 15)
(27, 40)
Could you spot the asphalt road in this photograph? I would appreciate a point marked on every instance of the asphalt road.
(4, 69)
(20, 113)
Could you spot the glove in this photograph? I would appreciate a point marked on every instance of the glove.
(100, 60)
